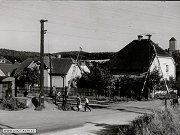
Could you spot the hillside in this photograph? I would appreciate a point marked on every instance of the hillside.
(86, 55)
(22, 55)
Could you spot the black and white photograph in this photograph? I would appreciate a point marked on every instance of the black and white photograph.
(89, 67)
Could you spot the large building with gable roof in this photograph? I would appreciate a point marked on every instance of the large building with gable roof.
(142, 55)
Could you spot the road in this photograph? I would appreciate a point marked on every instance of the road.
(54, 122)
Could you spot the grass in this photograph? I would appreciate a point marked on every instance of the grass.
(162, 122)
(12, 104)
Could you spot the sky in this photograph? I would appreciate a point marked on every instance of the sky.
(95, 26)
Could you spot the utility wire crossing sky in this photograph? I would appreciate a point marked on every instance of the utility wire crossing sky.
(96, 26)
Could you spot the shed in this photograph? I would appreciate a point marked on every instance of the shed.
(7, 86)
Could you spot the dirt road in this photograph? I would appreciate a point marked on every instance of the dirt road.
(54, 122)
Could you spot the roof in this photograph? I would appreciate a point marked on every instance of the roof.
(172, 39)
(1, 73)
(7, 61)
(135, 58)
(60, 66)
(8, 68)
(6, 79)
(28, 61)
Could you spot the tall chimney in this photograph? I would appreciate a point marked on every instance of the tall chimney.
(140, 37)
(149, 36)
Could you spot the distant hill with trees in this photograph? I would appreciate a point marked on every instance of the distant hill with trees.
(20, 56)
(86, 55)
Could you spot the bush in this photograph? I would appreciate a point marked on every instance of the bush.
(13, 104)
(118, 99)
(161, 122)
(101, 98)
(164, 122)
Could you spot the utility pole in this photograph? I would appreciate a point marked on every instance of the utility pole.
(41, 100)
(50, 63)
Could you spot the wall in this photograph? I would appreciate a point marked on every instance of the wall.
(167, 66)
(1, 91)
(7, 83)
(1, 73)
(70, 73)
(57, 81)
(46, 78)
(172, 45)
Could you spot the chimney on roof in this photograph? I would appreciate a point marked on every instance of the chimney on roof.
(149, 36)
(140, 37)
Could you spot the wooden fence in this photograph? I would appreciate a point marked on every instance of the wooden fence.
(34, 90)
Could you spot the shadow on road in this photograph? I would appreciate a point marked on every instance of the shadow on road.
(126, 110)
(133, 109)
(108, 129)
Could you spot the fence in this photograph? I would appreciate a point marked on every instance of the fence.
(34, 90)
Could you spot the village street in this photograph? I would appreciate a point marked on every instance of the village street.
(51, 121)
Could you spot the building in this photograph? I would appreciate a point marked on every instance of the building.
(63, 71)
(7, 87)
(140, 57)
(7, 83)
(172, 46)
(57, 71)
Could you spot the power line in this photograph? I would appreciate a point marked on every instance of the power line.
(114, 11)
(95, 23)
(20, 31)
(84, 37)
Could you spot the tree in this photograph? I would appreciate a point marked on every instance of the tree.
(131, 86)
(173, 84)
(99, 79)
(154, 80)
(28, 76)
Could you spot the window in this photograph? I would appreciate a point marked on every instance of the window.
(167, 68)
(2, 61)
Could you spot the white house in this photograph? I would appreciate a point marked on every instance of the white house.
(63, 71)
(140, 57)
(166, 66)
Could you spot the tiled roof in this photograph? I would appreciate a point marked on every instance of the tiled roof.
(28, 61)
(135, 58)
(60, 66)
(6, 79)
(8, 68)
(7, 61)
(2, 77)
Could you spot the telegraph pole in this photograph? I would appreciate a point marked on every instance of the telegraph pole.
(41, 100)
